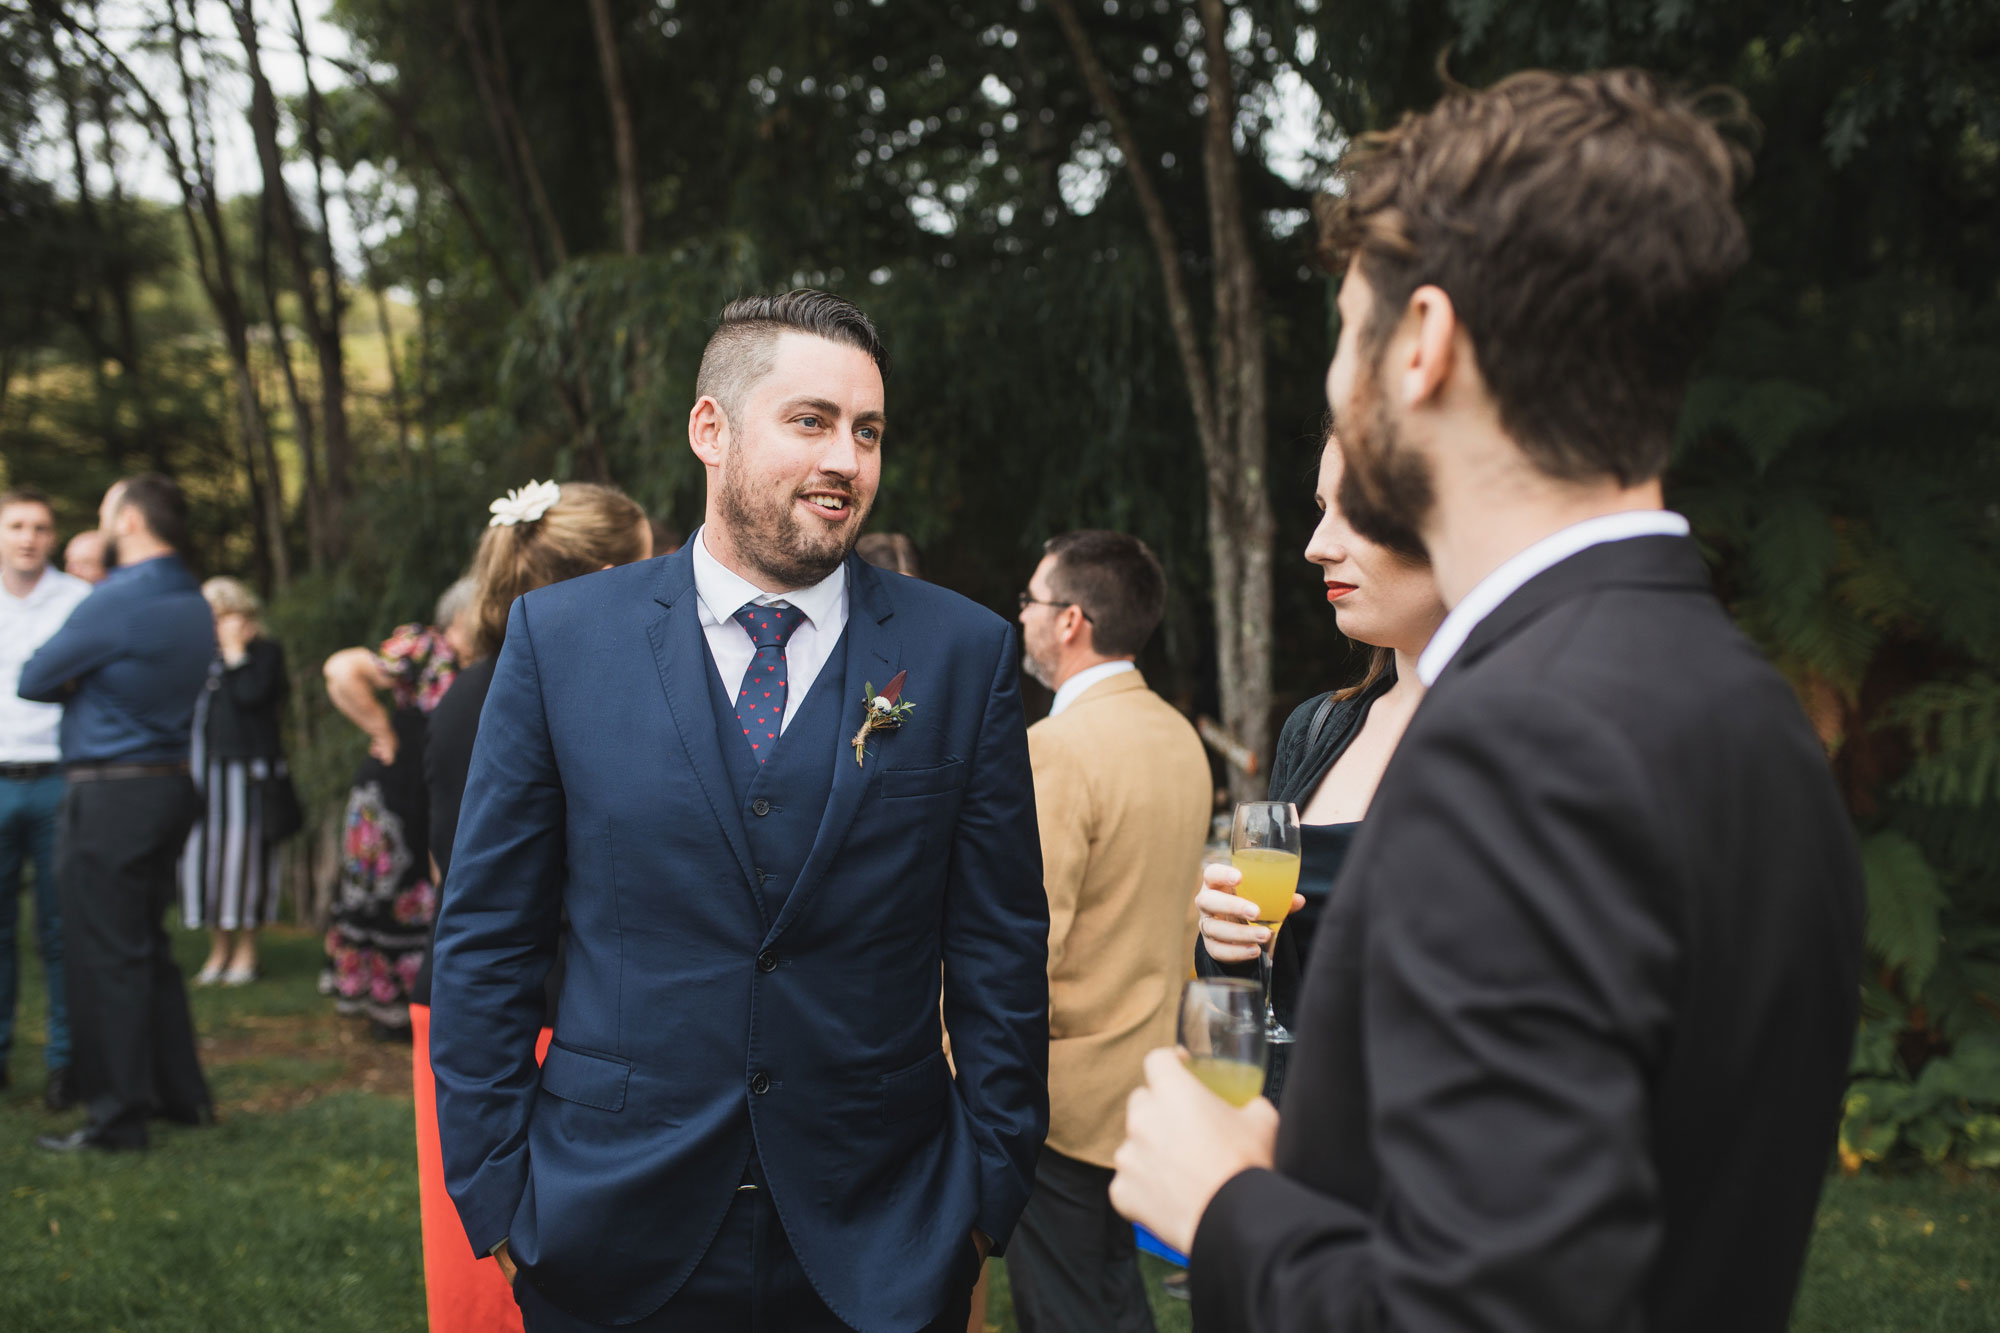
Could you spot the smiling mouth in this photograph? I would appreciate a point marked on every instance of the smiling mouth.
(829, 505)
(1336, 591)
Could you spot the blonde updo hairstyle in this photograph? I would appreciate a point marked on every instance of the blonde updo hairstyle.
(227, 596)
(587, 528)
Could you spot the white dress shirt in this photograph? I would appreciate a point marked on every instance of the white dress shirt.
(1073, 688)
(1487, 595)
(28, 730)
(722, 592)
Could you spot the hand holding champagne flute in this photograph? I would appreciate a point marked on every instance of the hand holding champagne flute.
(1222, 1030)
(1264, 848)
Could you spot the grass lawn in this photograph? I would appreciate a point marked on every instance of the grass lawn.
(299, 1209)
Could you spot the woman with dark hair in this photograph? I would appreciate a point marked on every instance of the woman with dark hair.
(539, 535)
(1335, 746)
(229, 870)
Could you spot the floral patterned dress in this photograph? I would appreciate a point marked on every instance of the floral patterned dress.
(383, 908)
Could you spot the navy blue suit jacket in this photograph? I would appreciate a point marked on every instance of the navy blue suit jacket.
(691, 1030)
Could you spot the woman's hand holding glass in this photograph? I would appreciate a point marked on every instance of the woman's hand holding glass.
(1229, 929)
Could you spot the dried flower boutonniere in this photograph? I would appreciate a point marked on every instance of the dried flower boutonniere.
(884, 712)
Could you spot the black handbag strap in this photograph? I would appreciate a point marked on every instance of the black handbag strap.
(1320, 717)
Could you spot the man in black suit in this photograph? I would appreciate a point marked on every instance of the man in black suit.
(1575, 1029)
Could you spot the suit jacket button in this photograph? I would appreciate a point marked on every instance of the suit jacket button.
(760, 806)
(760, 1083)
(767, 961)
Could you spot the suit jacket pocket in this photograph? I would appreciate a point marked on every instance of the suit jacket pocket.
(924, 781)
(914, 1090)
(587, 1080)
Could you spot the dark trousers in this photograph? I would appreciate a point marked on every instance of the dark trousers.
(28, 811)
(748, 1282)
(134, 1052)
(1073, 1263)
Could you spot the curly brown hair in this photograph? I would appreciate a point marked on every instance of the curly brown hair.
(1584, 229)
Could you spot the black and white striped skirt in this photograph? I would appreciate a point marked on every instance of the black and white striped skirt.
(229, 873)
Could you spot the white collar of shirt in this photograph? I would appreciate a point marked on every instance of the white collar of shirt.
(724, 592)
(1486, 597)
(1073, 688)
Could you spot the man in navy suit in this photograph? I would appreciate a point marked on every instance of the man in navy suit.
(746, 1120)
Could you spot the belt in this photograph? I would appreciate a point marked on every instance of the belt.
(113, 772)
(27, 772)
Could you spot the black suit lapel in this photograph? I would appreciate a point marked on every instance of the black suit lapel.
(681, 654)
(1659, 562)
(873, 651)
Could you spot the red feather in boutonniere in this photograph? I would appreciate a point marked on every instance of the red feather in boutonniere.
(881, 712)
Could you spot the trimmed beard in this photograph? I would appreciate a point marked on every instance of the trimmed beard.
(772, 538)
(1385, 487)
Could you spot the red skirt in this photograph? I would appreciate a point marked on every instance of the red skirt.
(464, 1294)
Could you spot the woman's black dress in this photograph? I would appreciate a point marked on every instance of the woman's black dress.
(1308, 747)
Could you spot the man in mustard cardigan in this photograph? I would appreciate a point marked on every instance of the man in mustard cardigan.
(1123, 790)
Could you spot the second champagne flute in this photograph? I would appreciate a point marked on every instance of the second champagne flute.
(1264, 848)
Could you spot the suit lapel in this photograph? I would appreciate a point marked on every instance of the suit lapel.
(873, 652)
(681, 654)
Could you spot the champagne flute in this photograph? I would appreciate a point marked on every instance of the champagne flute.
(1222, 1030)
(1264, 847)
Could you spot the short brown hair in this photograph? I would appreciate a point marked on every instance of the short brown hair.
(1582, 226)
(893, 551)
(160, 502)
(1116, 581)
(587, 528)
(740, 351)
(27, 495)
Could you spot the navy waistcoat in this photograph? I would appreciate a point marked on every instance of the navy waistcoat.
(783, 799)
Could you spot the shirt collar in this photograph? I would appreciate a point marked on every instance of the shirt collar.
(1073, 688)
(723, 592)
(1486, 597)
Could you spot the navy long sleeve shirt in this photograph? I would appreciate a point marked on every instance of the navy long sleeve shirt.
(128, 666)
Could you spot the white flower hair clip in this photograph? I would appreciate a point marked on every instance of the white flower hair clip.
(524, 505)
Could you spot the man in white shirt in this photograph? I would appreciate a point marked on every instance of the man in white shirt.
(35, 600)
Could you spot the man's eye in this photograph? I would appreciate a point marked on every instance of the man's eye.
(809, 422)
(870, 433)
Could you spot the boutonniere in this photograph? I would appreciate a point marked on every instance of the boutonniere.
(881, 712)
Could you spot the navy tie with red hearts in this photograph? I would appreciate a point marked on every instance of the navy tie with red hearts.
(760, 705)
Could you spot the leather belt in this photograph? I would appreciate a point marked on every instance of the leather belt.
(114, 772)
(28, 772)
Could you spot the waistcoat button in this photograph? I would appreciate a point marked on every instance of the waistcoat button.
(760, 1083)
(760, 806)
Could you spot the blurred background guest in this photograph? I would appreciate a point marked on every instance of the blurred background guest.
(83, 558)
(1334, 746)
(383, 907)
(37, 601)
(889, 550)
(229, 870)
(127, 666)
(584, 528)
(1123, 791)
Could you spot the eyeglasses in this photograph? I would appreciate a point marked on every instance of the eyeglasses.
(1029, 599)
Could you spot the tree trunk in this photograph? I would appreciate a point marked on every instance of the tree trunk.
(631, 213)
(321, 323)
(1228, 398)
(340, 457)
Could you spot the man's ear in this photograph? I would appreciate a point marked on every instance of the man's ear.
(708, 431)
(1425, 363)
